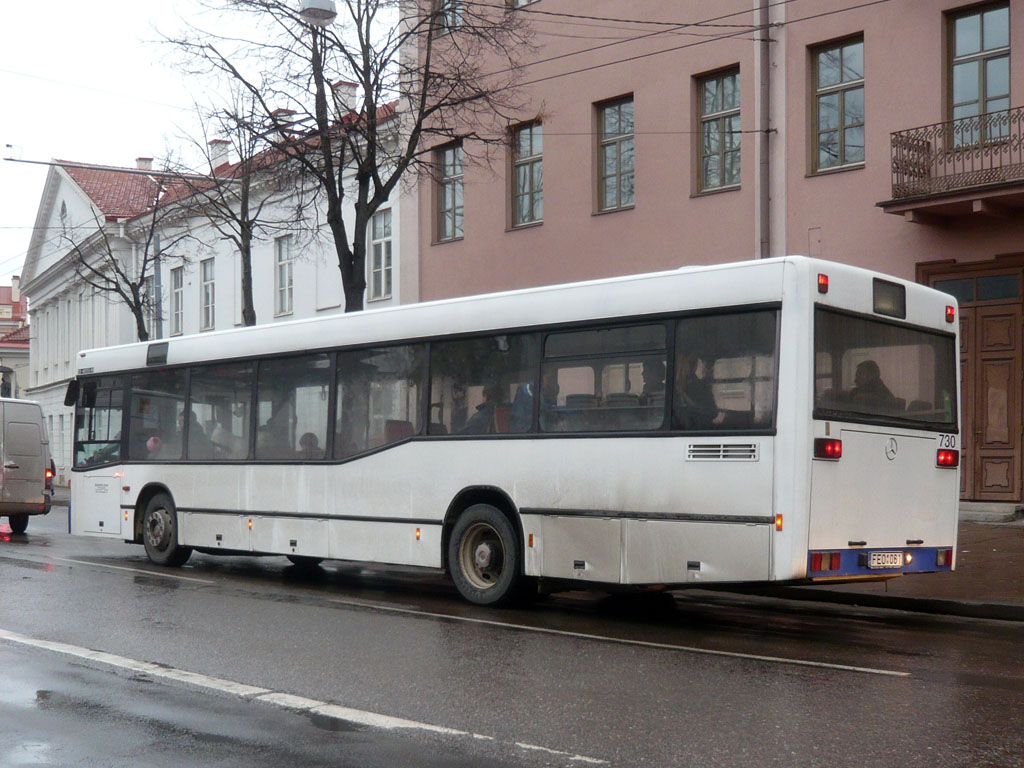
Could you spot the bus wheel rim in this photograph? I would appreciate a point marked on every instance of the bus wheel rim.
(482, 556)
(158, 529)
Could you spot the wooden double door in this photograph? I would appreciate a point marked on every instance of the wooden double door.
(990, 397)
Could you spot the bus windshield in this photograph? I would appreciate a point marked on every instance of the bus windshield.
(871, 371)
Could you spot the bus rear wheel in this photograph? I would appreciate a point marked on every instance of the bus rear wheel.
(484, 556)
(19, 523)
(160, 532)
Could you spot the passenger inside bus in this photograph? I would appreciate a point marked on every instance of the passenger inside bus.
(484, 421)
(695, 406)
(653, 374)
(869, 389)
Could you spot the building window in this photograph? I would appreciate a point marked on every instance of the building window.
(380, 255)
(449, 15)
(720, 131)
(449, 193)
(839, 104)
(206, 295)
(528, 172)
(980, 75)
(283, 275)
(615, 155)
(177, 300)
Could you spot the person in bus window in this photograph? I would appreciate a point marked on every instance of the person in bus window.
(653, 374)
(695, 406)
(309, 447)
(483, 422)
(869, 389)
(199, 445)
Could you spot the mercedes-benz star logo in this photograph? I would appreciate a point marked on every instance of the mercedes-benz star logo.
(891, 448)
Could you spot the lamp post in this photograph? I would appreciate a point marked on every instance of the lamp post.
(319, 13)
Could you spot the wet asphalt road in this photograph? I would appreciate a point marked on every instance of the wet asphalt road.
(688, 679)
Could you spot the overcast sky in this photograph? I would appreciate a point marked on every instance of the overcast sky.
(81, 81)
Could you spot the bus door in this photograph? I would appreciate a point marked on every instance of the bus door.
(95, 485)
(884, 479)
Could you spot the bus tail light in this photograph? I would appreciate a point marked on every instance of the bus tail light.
(828, 448)
(950, 313)
(825, 561)
(822, 283)
(944, 557)
(947, 458)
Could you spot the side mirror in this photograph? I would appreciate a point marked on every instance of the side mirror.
(71, 396)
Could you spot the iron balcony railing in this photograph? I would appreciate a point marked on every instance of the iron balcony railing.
(959, 154)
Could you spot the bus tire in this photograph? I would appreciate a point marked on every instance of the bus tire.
(484, 556)
(304, 561)
(160, 533)
(19, 523)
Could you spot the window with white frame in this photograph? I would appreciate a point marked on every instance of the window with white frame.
(615, 155)
(177, 300)
(980, 75)
(839, 104)
(283, 273)
(380, 255)
(720, 131)
(528, 174)
(449, 15)
(449, 192)
(206, 295)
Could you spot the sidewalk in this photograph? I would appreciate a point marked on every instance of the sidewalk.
(988, 581)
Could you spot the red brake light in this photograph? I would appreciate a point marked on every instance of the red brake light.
(49, 473)
(944, 557)
(828, 448)
(950, 314)
(822, 283)
(947, 458)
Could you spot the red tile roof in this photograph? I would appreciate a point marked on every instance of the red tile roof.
(120, 193)
(19, 336)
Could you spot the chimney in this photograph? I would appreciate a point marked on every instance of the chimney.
(15, 289)
(283, 119)
(218, 152)
(144, 163)
(344, 97)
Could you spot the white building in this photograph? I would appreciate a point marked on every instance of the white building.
(96, 211)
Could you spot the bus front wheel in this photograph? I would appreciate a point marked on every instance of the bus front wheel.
(160, 532)
(484, 555)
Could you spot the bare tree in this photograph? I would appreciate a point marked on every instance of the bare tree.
(357, 104)
(121, 258)
(244, 199)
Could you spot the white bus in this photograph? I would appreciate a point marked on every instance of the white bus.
(784, 420)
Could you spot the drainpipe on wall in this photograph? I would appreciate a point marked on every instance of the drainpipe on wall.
(764, 198)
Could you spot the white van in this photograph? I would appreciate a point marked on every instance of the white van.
(25, 479)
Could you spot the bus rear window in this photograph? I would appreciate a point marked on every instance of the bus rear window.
(871, 371)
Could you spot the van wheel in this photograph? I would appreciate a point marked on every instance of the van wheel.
(160, 532)
(483, 554)
(19, 523)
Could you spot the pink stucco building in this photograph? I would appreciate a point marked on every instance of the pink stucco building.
(887, 134)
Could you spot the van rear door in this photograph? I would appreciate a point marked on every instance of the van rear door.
(24, 458)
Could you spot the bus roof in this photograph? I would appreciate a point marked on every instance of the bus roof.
(627, 296)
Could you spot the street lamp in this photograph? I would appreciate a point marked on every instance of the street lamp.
(320, 13)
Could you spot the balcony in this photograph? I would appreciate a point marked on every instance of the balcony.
(970, 166)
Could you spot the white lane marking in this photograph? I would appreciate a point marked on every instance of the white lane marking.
(158, 574)
(619, 640)
(134, 665)
(266, 696)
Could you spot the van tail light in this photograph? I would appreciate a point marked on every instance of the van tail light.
(947, 458)
(828, 448)
(944, 558)
(48, 477)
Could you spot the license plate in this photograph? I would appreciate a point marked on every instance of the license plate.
(885, 560)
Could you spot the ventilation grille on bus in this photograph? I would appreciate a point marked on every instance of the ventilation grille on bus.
(720, 451)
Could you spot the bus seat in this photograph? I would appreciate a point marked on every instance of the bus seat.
(501, 417)
(396, 429)
(581, 401)
(622, 400)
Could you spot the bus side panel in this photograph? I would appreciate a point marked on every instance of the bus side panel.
(392, 543)
(673, 552)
